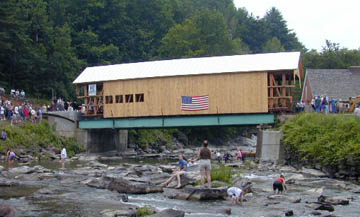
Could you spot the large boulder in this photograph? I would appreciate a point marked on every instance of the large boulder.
(196, 193)
(122, 185)
(325, 206)
(28, 170)
(337, 200)
(314, 191)
(99, 183)
(21, 170)
(8, 183)
(7, 211)
(313, 172)
(169, 213)
(294, 179)
(97, 165)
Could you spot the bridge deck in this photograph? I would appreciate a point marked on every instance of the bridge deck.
(183, 121)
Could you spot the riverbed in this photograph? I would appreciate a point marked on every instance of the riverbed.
(53, 191)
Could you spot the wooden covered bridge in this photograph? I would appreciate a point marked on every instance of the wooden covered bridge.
(206, 91)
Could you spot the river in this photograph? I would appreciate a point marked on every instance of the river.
(64, 195)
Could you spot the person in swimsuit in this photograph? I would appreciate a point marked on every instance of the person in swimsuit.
(182, 169)
(279, 185)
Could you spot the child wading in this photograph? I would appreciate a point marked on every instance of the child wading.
(63, 157)
(279, 185)
(237, 194)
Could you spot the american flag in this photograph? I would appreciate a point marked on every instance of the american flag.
(194, 103)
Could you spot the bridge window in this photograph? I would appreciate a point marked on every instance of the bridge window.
(139, 97)
(119, 98)
(129, 98)
(108, 99)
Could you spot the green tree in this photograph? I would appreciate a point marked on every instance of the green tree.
(198, 37)
(277, 27)
(273, 45)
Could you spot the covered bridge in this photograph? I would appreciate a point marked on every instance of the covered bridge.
(222, 85)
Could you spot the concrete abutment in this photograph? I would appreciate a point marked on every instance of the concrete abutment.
(94, 140)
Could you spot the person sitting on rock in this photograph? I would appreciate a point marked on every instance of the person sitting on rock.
(182, 169)
(237, 194)
(279, 185)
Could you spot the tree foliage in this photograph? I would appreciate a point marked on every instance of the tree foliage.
(45, 44)
(332, 56)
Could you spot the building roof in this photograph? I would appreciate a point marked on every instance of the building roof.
(336, 83)
(191, 66)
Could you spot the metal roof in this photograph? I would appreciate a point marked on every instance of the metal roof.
(339, 84)
(191, 66)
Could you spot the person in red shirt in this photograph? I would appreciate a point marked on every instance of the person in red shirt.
(279, 186)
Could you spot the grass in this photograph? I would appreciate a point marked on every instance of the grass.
(222, 174)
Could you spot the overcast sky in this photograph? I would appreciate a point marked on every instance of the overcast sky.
(315, 20)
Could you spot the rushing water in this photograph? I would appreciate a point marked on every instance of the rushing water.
(70, 198)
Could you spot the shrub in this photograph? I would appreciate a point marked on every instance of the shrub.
(144, 211)
(332, 141)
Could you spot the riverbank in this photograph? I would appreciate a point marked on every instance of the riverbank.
(90, 187)
(36, 141)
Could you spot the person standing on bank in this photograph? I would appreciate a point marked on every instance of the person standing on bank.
(204, 157)
(63, 157)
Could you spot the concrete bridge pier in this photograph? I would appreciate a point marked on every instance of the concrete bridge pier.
(103, 140)
(269, 147)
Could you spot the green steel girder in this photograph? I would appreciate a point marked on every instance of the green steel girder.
(180, 121)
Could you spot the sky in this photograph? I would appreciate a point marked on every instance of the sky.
(314, 21)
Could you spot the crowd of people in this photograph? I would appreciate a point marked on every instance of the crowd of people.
(327, 105)
(59, 104)
(19, 112)
(17, 94)
(324, 104)
(228, 157)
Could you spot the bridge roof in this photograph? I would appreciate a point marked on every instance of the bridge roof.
(191, 66)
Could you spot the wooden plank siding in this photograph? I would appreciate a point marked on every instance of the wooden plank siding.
(229, 93)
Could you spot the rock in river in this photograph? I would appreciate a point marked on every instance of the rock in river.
(313, 172)
(7, 211)
(325, 206)
(117, 213)
(122, 185)
(100, 183)
(196, 193)
(169, 213)
(337, 200)
(280, 197)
